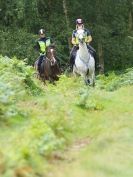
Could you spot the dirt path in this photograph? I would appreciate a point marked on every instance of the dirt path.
(67, 164)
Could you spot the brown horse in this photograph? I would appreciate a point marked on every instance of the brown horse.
(49, 68)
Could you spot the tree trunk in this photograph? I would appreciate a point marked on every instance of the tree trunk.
(130, 15)
(67, 21)
(130, 21)
(101, 59)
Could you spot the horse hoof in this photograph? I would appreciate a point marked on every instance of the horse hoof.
(88, 81)
(93, 84)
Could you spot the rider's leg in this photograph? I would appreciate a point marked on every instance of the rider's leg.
(73, 55)
(39, 63)
(92, 50)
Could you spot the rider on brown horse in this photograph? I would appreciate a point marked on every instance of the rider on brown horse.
(40, 46)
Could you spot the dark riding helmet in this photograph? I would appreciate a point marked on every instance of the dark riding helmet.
(79, 21)
(41, 31)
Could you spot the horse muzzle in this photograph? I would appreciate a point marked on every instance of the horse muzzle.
(53, 61)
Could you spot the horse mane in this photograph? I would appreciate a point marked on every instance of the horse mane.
(51, 46)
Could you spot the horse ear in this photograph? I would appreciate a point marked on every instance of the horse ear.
(52, 45)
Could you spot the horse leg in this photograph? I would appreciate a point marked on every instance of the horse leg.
(74, 71)
(87, 81)
(92, 78)
(44, 80)
(85, 78)
(89, 77)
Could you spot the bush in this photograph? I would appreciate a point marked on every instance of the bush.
(16, 82)
(114, 81)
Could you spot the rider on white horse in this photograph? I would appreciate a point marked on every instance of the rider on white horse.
(75, 42)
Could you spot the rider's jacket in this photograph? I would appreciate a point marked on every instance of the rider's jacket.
(75, 39)
(41, 45)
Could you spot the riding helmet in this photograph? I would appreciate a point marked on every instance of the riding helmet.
(79, 21)
(41, 31)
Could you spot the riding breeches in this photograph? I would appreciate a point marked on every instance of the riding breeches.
(73, 54)
(40, 62)
(91, 50)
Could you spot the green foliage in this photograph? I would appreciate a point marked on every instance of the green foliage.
(23, 112)
(41, 140)
(16, 81)
(88, 101)
(114, 81)
(41, 126)
(18, 43)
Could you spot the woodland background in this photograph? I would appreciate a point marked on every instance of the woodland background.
(110, 22)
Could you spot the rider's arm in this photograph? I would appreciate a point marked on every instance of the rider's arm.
(37, 47)
(73, 38)
(89, 37)
(73, 41)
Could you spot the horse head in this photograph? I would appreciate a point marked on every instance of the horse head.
(50, 65)
(51, 54)
(81, 35)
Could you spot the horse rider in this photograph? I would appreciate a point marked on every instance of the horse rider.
(42, 43)
(75, 42)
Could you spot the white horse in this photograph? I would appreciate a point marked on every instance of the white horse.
(84, 61)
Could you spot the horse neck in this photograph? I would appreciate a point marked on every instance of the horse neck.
(83, 51)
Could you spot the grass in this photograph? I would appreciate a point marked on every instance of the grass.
(109, 153)
(90, 129)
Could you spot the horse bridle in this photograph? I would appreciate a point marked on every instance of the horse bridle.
(83, 34)
(82, 37)
(52, 59)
